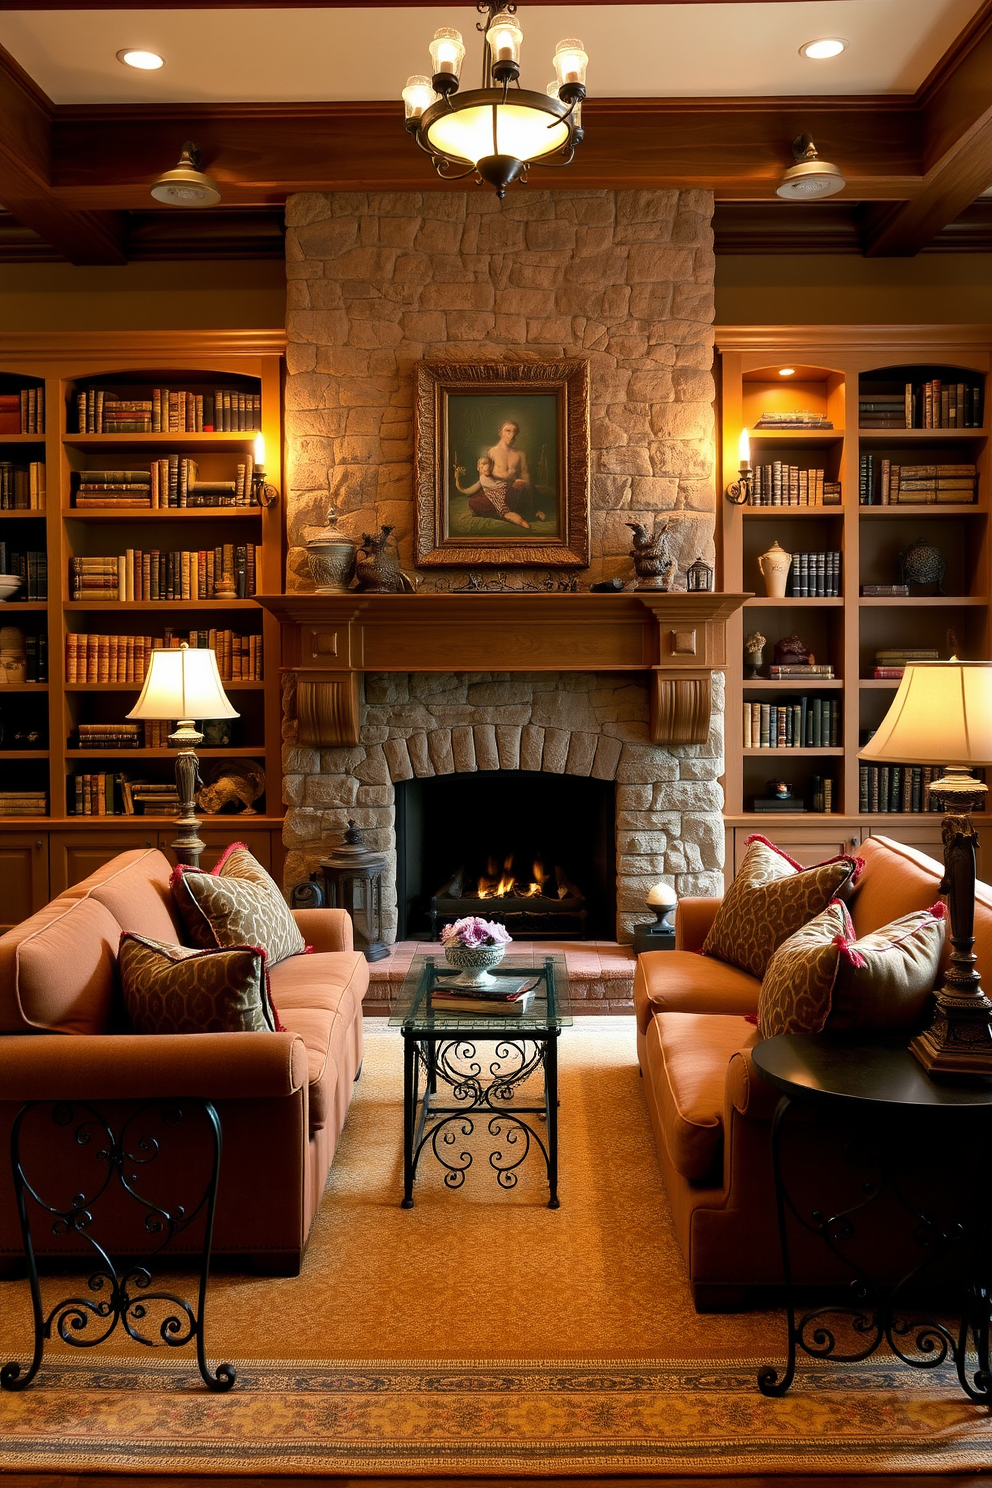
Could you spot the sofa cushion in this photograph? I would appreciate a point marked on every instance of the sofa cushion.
(823, 978)
(64, 972)
(168, 988)
(769, 899)
(686, 1059)
(318, 998)
(682, 981)
(238, 904)
(136, 888)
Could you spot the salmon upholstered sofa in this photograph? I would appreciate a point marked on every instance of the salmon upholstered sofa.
(710, 1109)
(282, 1097)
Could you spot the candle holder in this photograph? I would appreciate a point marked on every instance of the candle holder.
(740, 491)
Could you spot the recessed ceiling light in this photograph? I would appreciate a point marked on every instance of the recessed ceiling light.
(829, 46)
(145, 61)
(786, 371)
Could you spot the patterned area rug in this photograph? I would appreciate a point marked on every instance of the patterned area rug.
(591, 1418)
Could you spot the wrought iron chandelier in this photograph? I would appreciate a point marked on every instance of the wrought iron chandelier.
(490, 132)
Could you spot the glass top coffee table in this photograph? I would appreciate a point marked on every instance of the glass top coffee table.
(464, 1067)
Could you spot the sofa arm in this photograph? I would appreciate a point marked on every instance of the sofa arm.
(750, 1093)
(130, 1066)
(693, 918)
(326, 929)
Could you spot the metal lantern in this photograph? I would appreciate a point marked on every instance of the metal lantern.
(699, 577)
(350, 879)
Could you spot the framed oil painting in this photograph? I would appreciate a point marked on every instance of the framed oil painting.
(502, 464)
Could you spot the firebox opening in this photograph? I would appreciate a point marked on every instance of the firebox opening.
(534, 851)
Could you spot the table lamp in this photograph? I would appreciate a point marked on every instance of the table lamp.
(943, 711)
(183, 683)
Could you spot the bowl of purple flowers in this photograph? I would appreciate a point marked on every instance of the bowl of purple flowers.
(473, 946)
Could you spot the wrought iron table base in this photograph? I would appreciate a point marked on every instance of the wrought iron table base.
(873, 1316)
(121, 1290)
(430, 1057)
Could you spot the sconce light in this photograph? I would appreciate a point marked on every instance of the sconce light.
(262, 494)
(186, 186)
(810, 178)
(739, 491)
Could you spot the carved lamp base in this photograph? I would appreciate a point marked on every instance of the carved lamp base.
(959, 1041)
(188, 845)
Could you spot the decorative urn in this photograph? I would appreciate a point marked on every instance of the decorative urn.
(331, 555)
(774, 566)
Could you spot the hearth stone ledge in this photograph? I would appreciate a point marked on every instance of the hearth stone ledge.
(668, 798)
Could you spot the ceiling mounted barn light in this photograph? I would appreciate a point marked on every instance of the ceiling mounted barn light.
(490, 132)
(186, 186)
(810, 177)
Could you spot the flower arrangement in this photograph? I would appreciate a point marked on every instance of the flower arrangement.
(474, 932)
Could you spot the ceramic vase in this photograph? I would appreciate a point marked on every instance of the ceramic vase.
(474, 963)
(774, 566)
(331, 555)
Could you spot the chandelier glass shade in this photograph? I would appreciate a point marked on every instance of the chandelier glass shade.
(498, 131)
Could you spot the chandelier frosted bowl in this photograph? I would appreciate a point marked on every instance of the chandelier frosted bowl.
(491, 132)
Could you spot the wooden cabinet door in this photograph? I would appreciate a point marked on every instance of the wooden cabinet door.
(808, 845)
(23, 876)
(258, 842)
(75, 855)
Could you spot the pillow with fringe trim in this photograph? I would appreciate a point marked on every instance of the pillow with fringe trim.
(822, 979)
(174, 989)
(239, 903)
(770, 898)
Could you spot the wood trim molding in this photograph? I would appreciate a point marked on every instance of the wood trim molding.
(680, 708)
(146, 346)
(827, 338)
(327, 710)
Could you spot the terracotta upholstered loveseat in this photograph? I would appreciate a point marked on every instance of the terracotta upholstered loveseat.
(282, 1097)
(711, 1111)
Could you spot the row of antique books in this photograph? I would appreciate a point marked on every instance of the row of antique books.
(168, 411)
(36, 657)
(30, 565)
(145, 733)
(883, 483)
(23, 803)
(897, 787)
(225, 572)
(124, 658)
(934, 404)
(23, 412)
(815, 575)
(800, 723)
(893, 661)
(112, 793)
(781, 484)
(22, 488)
(172, 481)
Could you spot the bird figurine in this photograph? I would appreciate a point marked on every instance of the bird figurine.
(378, 567)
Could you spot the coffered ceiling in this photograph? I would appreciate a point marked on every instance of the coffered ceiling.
(284, 98)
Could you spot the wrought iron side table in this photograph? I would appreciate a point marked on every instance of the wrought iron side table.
(887, 1109)
(80, 1166)
(441, 1050)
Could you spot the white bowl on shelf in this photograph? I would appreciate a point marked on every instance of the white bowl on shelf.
(9, 585)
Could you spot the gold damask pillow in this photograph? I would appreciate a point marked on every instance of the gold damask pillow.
(823, 979)
(174, 989)
(770, 898)
(237, 904)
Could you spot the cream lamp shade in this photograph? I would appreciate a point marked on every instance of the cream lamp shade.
(182, 683)
(941, 714)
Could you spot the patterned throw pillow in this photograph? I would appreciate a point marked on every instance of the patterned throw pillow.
(821, 978)
(238, 904)
(770, 898)
(173, 989)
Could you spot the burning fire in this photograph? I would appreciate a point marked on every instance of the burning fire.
(500, 883)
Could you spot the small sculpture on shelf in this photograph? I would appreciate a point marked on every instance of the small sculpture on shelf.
(378, 567)
(922, 565)
(652, 564)
(699, 577)
(791, 650)
(779, 790)
(754, 654)
(233, 786)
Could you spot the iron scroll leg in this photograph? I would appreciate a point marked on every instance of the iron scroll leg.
(551, 1113)
(226, 1375)
(12, 1377)
(409, 1115)
(769, 1382)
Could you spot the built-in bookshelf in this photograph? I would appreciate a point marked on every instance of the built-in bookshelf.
(127, 502)
(896, 422)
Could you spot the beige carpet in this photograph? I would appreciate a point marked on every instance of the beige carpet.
(482, 1333)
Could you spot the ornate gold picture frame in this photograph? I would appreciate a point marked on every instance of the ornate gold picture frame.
(502, 464)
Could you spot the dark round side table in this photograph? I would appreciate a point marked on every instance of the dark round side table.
(878, 1089)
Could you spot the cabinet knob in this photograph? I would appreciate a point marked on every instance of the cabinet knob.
(148, 841)
(39, 843)
(855, 842)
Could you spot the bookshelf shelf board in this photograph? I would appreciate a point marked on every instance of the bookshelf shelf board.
(119, 754)
(16, 754)
(158, 604)
(24, 687)
(878, 684)
(165, 514)
(795, 436)
(793, 511)
(24, 604)
(755, 684)
(928, 601)
(789, 817)
(36, 514)
(130, 687)
(139, 820)
(166, 441)
(793, 752)
(22, 438)
(759, 602)
(880, 817)
(914, 509)
(915, 436)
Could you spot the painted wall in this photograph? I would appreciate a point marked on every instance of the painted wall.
(143, 297)
(837, 289)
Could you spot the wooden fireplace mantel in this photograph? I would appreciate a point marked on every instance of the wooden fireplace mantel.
(328, 639)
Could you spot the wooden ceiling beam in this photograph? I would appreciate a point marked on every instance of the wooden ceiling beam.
(26, 120)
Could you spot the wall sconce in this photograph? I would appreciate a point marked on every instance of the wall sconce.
(739, 492)
(262, 494)
(186, 185)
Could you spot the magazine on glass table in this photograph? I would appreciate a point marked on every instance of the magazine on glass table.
(510, 997)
